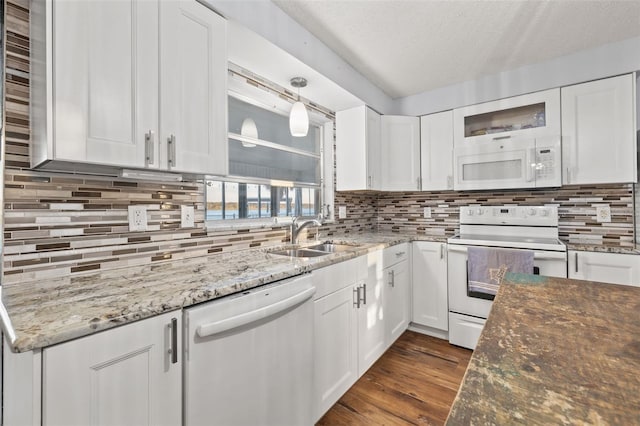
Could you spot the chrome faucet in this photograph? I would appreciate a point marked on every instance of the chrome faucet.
(296, 228)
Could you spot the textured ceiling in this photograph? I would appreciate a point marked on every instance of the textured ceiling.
(408, 47)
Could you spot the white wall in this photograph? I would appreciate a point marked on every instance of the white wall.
(608, 60)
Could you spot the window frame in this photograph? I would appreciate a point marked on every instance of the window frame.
(325, 187)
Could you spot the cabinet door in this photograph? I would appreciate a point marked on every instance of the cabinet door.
(436, 151)
(400, 153)
(105, 80)
(611, 268)
(193, 109)
(598, 132)
(357, 149)
(115, 377)
(396, 300)
(371, 316)
(336, 350)
(374, 150)
(429, 283)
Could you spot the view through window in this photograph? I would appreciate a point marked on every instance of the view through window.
(273, 173)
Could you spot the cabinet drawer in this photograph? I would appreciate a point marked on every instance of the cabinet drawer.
(335, 277)
(465, 330)
(395, 254)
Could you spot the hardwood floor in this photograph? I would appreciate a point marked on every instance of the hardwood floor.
(413, 383)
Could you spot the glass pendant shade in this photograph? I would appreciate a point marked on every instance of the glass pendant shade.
(250, 130)
(299, 120)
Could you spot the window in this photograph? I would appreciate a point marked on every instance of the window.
(231, 200)
(272, 174)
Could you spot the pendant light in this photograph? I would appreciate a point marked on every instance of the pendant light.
(250, 130)
(298, 117)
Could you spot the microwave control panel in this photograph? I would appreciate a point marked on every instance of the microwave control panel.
(545, 162)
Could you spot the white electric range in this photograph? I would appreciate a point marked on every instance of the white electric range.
(532, 228)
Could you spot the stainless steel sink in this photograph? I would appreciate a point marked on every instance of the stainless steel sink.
(314, 250)
(332, 247)
(300, 252)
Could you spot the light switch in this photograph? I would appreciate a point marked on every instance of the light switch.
(342, 212)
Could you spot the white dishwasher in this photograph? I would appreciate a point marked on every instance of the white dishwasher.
(249, 357)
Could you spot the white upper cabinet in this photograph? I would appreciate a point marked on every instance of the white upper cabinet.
(193, 87)
(598, 131)
(357, 149)
(114, 81)
(400, 153)
(436, 151)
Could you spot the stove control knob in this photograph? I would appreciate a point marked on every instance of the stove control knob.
(469, 212)
(532, 212)
(544, 212)
(479, 211)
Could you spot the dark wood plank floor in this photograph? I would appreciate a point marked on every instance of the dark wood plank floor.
(413, 383)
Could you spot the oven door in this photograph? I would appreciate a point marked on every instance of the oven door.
(550, 263)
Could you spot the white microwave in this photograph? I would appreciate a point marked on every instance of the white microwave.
(506, 162)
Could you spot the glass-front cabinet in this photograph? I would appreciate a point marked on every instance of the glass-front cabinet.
(526, 116)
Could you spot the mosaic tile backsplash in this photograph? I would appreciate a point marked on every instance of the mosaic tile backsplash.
(58, 224)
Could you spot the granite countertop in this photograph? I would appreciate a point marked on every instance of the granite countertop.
(555, 351)
(45, 312)
(601, 248)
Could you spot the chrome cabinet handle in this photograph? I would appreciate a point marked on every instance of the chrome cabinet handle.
(568, 175)
(356, 293)
(364, 294)
(370, 182)
(173, 348)
(449, 182)
(418, 183)
(149, 147)
(392, 278)
(171, 150)
(576, 262)
(400, 253)
(441, 251)
(497, 138)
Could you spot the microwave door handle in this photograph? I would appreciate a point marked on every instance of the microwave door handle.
(528, 165)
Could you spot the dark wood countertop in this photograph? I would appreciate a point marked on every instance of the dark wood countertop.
(555, 351)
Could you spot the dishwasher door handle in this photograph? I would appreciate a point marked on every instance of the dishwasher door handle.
(227, 324)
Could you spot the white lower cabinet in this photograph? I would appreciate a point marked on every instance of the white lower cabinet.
(361, 308)
(614, 268)
(338, 291)
(429, 283)
(371, 314)
(125, 375)
(396, 299)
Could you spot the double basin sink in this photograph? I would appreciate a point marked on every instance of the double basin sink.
(314, 250)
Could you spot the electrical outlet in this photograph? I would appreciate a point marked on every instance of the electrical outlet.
(186, 216)
(603, 213)
(342, 212)
(137, 218)
(427, 213)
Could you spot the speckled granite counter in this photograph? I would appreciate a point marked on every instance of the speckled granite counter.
(601, 248)
(41, 313)
(555, 351)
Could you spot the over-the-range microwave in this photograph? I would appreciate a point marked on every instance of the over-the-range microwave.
(506, 162)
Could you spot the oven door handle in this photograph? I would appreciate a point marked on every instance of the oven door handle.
(537, 255)
(459, 249)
